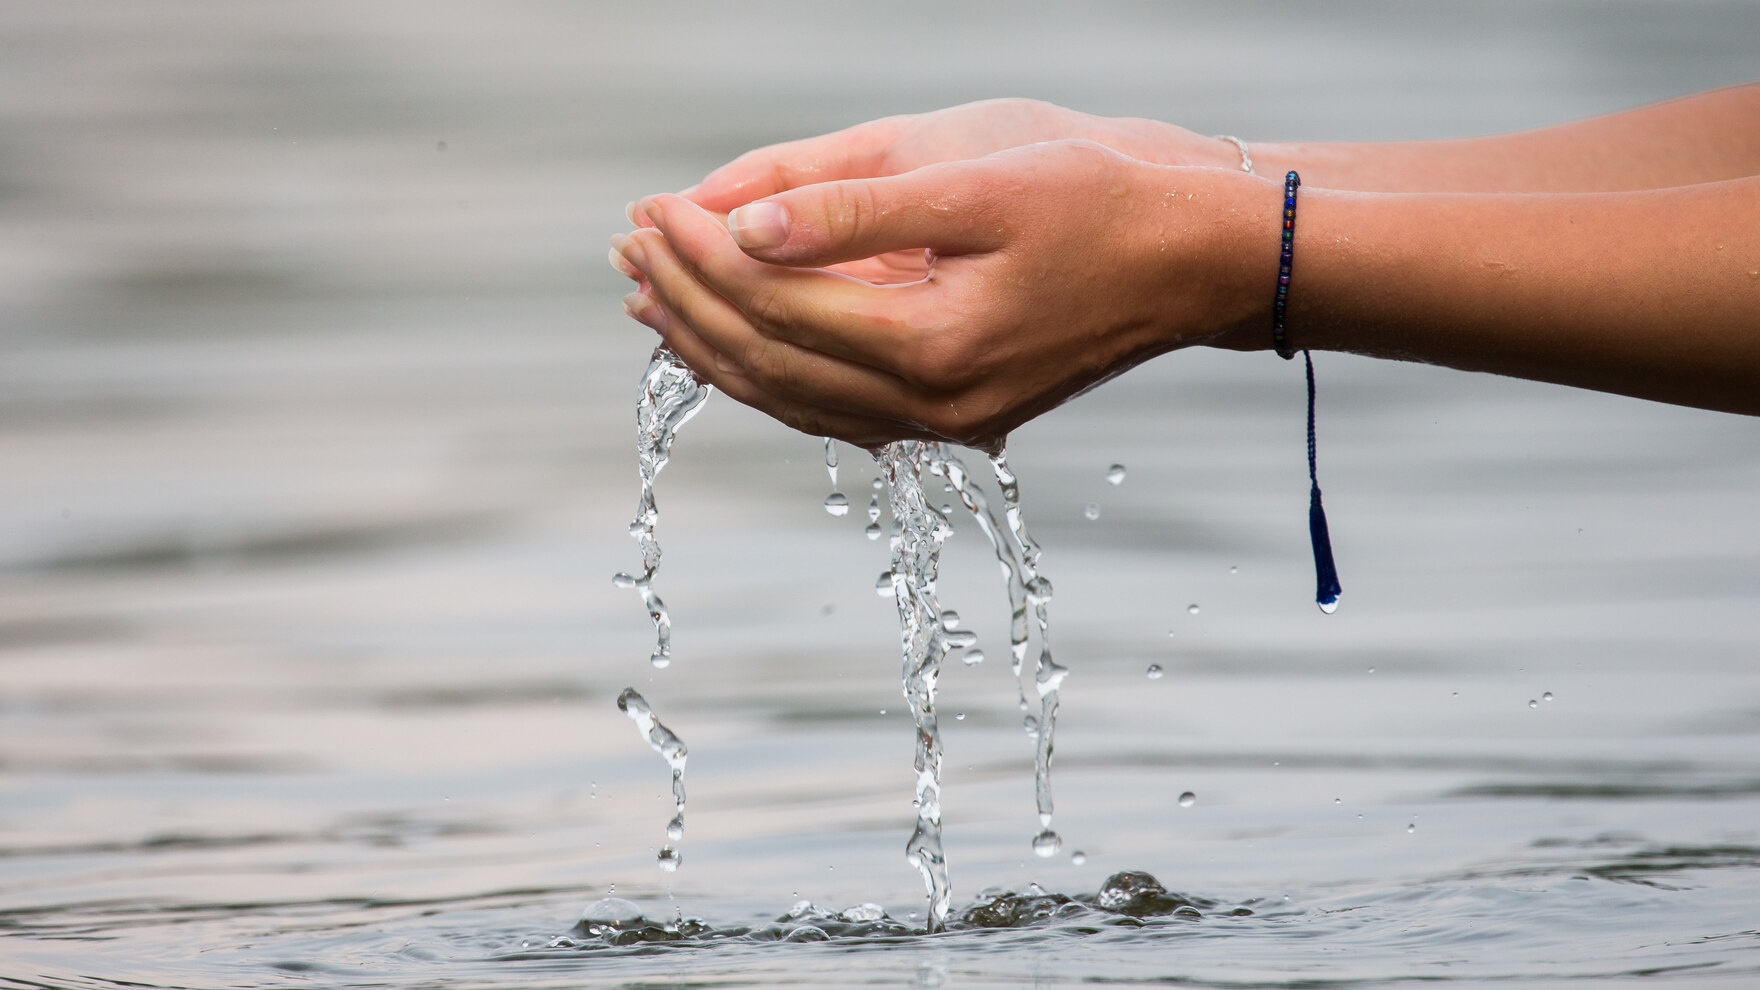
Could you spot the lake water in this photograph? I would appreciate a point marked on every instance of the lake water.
(316, 460)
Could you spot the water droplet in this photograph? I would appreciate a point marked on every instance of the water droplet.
(959, 716)
(1454, 694)
(950, 620)
(1233, 569)
(661, 661)
(973, 657)
(1115, 474)
(1046, 844)
(1154, 671)
(873, 531)
(1329, 607)
(1533, 704)
(1078, 857)
(622, 580)
(1411, 828)
(668, 859)
(882, 711)
(1359, 816)
(1191, 609)
(1546, 697)
(1371, 670)
(1092, 511)
(878, 484)
(883, 584)
(1188, 799)
(837, 503)
(873, 508)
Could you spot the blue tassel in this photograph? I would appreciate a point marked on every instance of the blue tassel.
(1326, 587)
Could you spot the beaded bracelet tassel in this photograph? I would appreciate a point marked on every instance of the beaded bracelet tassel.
(1326, 587)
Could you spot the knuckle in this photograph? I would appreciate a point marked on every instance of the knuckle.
(767, 306)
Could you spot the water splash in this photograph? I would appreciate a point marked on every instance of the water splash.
(670, 396)
(672, 749)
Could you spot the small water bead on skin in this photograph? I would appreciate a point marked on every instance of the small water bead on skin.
(1154, 672)
(1092, 511)
(1188, 799)
(1115, 474)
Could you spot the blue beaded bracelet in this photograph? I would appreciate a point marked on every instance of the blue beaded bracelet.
(1326, 587)
(1290, 183)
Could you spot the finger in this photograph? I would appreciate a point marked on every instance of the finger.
(714, 368)
(950, 208)
(855, 152)
(697, 269)
(782, 366)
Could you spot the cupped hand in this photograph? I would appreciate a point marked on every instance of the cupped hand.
(894, 145)
(1052, 267)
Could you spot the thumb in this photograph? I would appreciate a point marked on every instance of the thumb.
(950, 208)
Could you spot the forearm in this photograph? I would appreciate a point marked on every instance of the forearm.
(1706, 137)
(1652, 294)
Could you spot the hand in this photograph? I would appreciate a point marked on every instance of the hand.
(1053, 268)
(894, 145)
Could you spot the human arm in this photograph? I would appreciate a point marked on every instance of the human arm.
(1063, 264)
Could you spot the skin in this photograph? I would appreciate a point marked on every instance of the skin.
(952, 275)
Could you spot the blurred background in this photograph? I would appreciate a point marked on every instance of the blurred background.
(316, 458)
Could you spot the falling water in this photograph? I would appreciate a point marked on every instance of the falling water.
(1048, 675)
(916, 560)
(673, 750)
(670, 396)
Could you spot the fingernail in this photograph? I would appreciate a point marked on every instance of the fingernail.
(623, 267)
(651, 207)
(633, 255)
(645, 311)
(634, 215)
(758, 225)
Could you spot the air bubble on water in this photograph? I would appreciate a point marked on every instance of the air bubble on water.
(1046, 844)
(1115, 474)
(973, 657)
(622, 580)
(1154, 671)
(1192, 609)
(1546, 697)
(1533, 704)
(1078, 857)
(837, 503)
(1092, 511)
(1188, 799)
